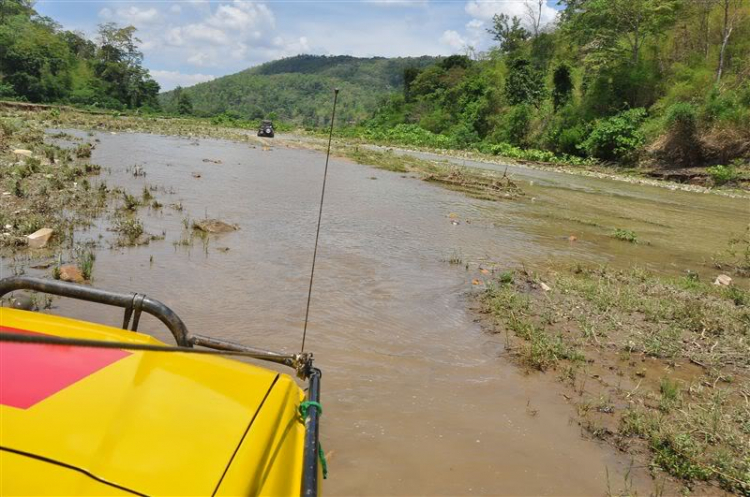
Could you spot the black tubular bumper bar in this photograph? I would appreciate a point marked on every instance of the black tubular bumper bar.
(133, 303)
(137, 303)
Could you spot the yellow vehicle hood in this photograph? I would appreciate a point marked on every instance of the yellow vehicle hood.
(109, 421)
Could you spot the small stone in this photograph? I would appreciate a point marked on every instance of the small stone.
(723, 280)
(39, 238)
(22, 152)
(196, 175)
(8, 226)
(544, 286)
(71, 274)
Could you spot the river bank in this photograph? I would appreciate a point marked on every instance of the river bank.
(655, 366)
(697, 180)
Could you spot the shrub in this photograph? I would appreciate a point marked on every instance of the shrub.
(6, 90)
(617, 137)
(463, 135)
(682, 146)
(563, 86)
(565, 131)
(722, 175)
(516, 125)
(625, 235)
(409, 134)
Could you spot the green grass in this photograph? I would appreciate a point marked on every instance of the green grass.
(129, 229)
(695, 427)
(625, 235)
(86, 264)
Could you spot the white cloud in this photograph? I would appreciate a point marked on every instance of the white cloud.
(241, 16)
(233, 31)
(453, 40)
(483, 10)
(175, 9)
(131, 15)
(409, 3)
(170, 79)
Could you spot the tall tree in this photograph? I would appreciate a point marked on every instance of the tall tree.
(562, 86)
(606, 24)
(534, 14)
(508, 32)
(524, 85)
(731, 14)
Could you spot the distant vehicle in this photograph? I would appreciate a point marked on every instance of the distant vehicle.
(266, 129)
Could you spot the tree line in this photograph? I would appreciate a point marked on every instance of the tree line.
(616, 80)
(41, 62)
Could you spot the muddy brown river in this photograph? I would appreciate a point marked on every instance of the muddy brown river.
(418, 399)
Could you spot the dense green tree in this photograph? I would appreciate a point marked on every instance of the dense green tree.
(41, 62)
(508, 32)
(524, 85)
(670, 74)
(562, 86)
(184, 103)
(410, 74)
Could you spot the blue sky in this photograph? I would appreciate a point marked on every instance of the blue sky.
(188, 41)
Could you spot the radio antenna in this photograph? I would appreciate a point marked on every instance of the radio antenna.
(320, 216)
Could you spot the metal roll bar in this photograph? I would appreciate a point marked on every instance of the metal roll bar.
(133, 303)
(136, 303)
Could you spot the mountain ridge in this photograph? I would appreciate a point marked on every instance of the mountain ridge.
(298, 88)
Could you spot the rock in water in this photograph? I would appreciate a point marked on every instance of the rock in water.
(723, 280)
(22, 302)
(39, 238)
(71, 274)
(213, 226)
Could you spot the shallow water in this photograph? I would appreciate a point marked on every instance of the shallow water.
(418, 399)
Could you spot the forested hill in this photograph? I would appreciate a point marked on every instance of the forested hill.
(611, 80)
(300, 88)
(41, 62)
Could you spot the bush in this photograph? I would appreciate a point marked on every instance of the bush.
(682, 146)
(722, 175)
(566, 131)
(618, 137)
(516, 125)
(6, 90)
(463, 135)
(408, 134)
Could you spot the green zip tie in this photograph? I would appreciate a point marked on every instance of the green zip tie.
(303, 408)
